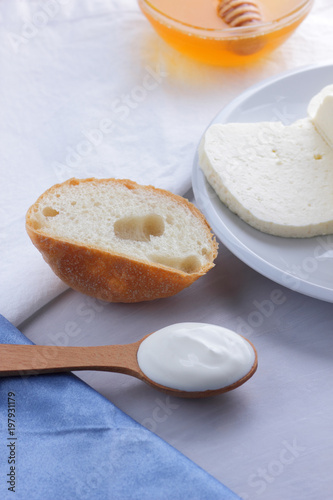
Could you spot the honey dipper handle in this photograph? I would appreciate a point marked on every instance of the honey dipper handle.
(34, 359)
(239, 13)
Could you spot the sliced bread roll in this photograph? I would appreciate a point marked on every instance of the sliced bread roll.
(119, 241)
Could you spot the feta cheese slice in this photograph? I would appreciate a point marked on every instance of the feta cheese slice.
(323, 118)
(277, 178)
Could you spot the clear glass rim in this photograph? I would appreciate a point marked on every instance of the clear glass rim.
(279, 23)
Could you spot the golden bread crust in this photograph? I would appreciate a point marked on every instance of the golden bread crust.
(106, 275)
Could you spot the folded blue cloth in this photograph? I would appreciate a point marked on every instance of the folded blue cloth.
(62, 440)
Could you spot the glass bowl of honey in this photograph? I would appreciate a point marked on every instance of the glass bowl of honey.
(225, 32)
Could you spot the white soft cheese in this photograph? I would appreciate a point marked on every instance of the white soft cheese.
(322, 116)
(196, 357)
(317, 100)
(277, 178)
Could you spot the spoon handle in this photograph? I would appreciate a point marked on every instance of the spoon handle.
(34, 359)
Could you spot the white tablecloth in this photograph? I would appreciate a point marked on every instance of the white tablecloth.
(88, 89)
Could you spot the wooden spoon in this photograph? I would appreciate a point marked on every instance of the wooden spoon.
(23, 360)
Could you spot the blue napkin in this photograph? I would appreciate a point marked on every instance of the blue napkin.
(60, 439)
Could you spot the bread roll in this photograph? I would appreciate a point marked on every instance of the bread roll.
(119, 241)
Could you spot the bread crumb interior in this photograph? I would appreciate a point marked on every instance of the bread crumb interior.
(137, 223)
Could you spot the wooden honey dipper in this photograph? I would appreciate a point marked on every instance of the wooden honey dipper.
(237, 13)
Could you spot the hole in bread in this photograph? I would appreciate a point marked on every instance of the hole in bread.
(189, 265)
(50, 212)
(318, 157)
(139, 228)
(35, 224)
(73, 203)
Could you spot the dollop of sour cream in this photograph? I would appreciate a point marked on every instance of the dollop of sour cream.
(195, 357)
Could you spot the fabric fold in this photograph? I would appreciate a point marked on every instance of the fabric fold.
(67, 441)
(89, 89)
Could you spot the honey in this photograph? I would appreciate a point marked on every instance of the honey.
(194, 28)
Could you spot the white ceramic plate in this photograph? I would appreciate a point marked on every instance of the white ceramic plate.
(304, 265)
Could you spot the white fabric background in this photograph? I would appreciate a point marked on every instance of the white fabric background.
(88, 89)
(272, 438)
